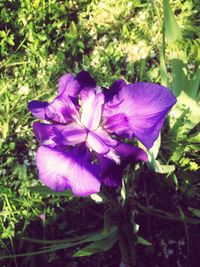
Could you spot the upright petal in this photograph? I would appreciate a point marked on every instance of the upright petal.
(85, 80)
(144, 107)
(68, 85)
(100, 141)
(67, 170)
(111, 172)
(91, 108)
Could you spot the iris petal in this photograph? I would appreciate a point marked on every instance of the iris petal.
(145, 106)
(71, 134)
(91, 108)
(100, 141)
(111, 172)
(68, 85)
(67, 170)
(43, 131)
(38, 109)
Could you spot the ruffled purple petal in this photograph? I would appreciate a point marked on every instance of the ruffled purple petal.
(118, 124)
(111, 172)
(62, 110)
(43, 131)
(91, 108)
(38, 109)
(144, 107)
(68, 85)
(100, 141)
(71, 134)
(67, 170)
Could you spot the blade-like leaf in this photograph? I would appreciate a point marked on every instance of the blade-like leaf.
(99, 246)
(179, 72)
(44, 190)
(142, 241)
(172, 31)
(194, 86)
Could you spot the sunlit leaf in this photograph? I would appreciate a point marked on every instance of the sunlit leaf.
(172, 30)
(142, 241)
(196, 212)
(179, 72)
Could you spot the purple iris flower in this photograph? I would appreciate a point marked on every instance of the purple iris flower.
(82, 139)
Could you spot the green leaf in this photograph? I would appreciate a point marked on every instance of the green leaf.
(163, 70)
(156, 147)
(159, 168)
(142, 241)
(172, 30)
(179, 72)
(195, 138)
(194, 86)
(99, 246)
(196, 212)
(154, 164)
(44, 190)
(185, 104)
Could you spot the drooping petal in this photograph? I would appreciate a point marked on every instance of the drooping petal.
(100, 141)
(38, 109)
(69, 85)
(67, 170)
(62, 110)
(118, 123)
(91, 108)
(71, 134)
(111, 172)
(145, 106)
(43, 131)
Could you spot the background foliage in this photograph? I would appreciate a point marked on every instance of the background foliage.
(135, 40)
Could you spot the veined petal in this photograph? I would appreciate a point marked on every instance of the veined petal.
(38, 109)
(102, 143)
(62, 110)
(91, 108)
(145, 106)
(111, 172)
(71, 170)
(117, 123)
(71, 134)
(43, 131)
(68, 85)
